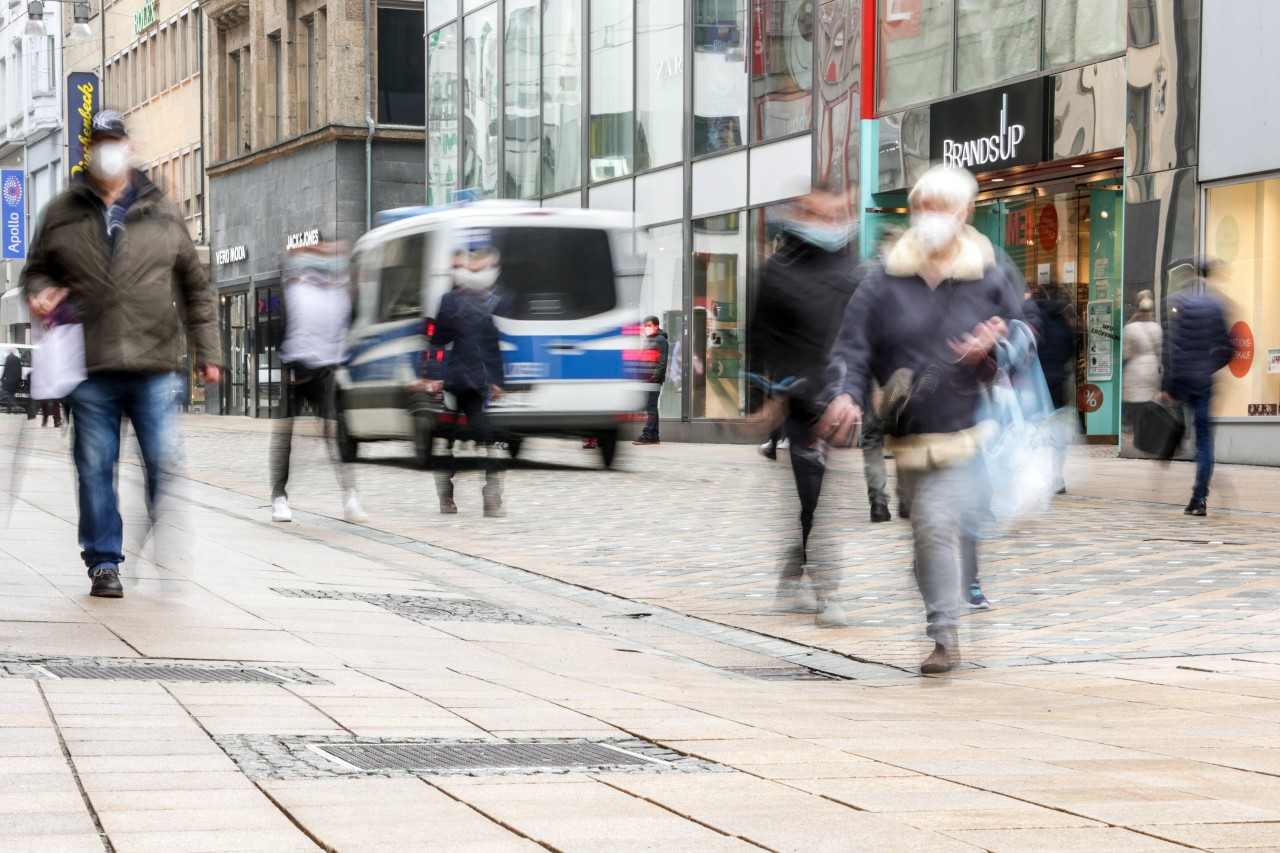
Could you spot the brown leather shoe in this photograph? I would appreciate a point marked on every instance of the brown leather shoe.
(940, 660)
(448, 507)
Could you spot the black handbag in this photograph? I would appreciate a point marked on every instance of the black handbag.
(1158, 429)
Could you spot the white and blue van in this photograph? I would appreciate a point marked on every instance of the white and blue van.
(569, 321)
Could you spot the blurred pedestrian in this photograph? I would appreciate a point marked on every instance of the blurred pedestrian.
(1197, 348)
(1142, 344)
(51, 409)
(317, 314)
(803, 292)
(925, 327)
(1053, 319)
(654, 364)
(473, 373)
(11, 380)
(114, 247)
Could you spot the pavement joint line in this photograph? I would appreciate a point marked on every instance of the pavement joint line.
(688, 817)
(75, 774)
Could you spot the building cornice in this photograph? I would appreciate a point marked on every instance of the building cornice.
(328, 133)
(225, 14)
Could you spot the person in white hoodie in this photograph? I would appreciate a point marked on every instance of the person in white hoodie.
(1143, 343)
(317, 314)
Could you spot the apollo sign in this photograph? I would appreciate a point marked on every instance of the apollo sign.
(994, 130)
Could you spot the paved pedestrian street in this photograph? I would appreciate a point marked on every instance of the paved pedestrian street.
(599, 670)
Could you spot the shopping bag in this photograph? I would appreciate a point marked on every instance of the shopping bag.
(57, 365)
(1158, 429)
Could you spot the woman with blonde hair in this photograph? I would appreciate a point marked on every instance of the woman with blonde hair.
(1141, 343)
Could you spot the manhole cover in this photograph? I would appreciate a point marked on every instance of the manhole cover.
(785, 673)
(163, 673)
(480, 756)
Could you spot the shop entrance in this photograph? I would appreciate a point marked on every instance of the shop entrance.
(1065, 237)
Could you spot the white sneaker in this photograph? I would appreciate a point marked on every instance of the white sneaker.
(280, 509)
(351, 508)
(784, 444)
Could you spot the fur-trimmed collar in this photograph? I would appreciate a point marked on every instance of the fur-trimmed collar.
(975, 255)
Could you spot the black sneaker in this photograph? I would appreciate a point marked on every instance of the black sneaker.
(106, 584)
(880, 512)
(1197, 507)
(642, 440)
(978, 601)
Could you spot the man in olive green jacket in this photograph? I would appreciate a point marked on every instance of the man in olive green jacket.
(113, 253)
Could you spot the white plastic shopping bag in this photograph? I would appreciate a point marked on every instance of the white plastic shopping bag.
(57, 365)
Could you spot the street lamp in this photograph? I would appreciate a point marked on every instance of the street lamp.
(36, 26)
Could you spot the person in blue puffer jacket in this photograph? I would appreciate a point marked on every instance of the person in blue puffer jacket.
(1199, 346)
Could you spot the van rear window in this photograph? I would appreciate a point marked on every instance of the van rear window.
(554, 273)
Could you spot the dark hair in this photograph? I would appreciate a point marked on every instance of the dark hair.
(654, 320)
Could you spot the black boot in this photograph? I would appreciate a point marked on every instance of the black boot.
(880, 511)
(1197, 507)
(106, 584)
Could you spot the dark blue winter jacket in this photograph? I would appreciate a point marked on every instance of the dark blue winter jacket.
(1200, 344)
(465, 320)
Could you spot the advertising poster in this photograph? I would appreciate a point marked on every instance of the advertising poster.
(13, 212)
(1102, 336)
(82, 105)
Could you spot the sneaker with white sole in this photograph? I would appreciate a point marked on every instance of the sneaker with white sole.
(978, 601)
(280, 509)
(351, 509)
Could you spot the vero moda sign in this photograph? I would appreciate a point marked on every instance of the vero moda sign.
(13, 212)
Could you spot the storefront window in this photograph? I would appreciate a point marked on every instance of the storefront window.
(522, 99)
(659, 83)
(995, 40)
(561, 95)
(400, 72)
(612, 131)
(1242, 230)
(480, 102)
(915, 51)
(442, 114)
(664, 271)
(720, 81)
(1080, 30)
(782, 67)
(717, 374)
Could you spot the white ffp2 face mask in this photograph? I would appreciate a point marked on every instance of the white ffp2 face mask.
(935, 231)
(482, 280)
(109, 160)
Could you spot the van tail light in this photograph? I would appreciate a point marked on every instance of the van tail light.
(633, 329)
(428, 327)
(639, 355)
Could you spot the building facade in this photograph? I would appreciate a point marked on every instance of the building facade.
(31, 142)
(316, 117)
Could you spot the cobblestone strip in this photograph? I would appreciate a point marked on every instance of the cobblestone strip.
(421, 608)
(265, 757)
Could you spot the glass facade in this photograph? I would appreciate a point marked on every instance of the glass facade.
(522, 52)
(480, 102)
(930, 49)
(561, 95)
(612, 90)
(720, 80)
(782, 68)
(442, 114)
(659, 83)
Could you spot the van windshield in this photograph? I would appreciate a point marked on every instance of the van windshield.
(554, 273)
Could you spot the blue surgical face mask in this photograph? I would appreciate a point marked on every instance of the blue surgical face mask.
(828, 238)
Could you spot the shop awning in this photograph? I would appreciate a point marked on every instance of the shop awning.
(13, 307)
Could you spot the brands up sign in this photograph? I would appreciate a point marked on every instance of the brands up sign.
(13, 213)
(82, 104)
(993, 130)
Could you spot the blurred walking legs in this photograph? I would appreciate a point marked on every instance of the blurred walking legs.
(315, 390)
(471, 405)
(874, 468)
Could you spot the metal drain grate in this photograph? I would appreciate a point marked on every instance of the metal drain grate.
(785, 673)
(425, 757)
(163, 673)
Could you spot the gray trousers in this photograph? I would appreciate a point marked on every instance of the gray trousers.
(942, 511)
(873, 458)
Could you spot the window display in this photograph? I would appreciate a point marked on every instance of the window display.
(720, 82)
(717, 373)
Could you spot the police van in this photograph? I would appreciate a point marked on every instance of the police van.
(568, 320)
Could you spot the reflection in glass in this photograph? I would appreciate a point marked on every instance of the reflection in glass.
(717, 372)
(839, 58)
(561, 95)
(1080, 30)
(439, 11)
(664, 274)
(782, 68)
(442, 114)
(522, 99)
(915, 52)
(480, 102)
(995, 40)
(659, 83)
(720, 82)
(611, 87)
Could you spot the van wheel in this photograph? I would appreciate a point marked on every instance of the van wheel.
(424, 446)
(348, 447)
(608, 442)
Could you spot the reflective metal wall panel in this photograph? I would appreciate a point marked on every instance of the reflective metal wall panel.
(571, 201)
(1088, 109)
(838, 72)
(781, 170)
(1237, 113)
(660, 196)
(720, 184)
(615, 195)
(1164, 85)
(904, 149)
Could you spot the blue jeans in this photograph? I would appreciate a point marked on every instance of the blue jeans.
(650, 430)
(149, 401)
(1198, 400)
